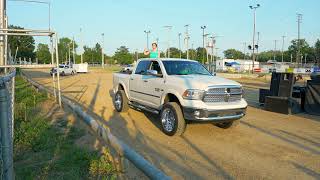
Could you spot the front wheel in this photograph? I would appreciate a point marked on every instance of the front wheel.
(172, 121)
(228, 125)
(121, 101)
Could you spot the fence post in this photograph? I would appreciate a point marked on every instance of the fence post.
(5, 135)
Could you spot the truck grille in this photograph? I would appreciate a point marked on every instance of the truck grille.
(223, 94)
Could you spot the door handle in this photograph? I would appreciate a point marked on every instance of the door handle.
(145, 81)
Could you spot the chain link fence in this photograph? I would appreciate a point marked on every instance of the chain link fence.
(7, 91)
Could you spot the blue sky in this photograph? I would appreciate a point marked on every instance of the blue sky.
(123, 21)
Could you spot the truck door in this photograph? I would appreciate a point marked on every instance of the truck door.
(135, 81)
(152, 86)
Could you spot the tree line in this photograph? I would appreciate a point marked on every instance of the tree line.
(24, 47)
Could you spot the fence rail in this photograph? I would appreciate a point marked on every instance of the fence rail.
(123, 150)
(7, 91)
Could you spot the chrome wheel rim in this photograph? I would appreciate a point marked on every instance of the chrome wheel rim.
(168, 120)
(118, 101)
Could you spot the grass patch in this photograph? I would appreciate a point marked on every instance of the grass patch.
(46, 150)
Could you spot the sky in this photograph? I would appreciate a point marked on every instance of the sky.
(123, 21)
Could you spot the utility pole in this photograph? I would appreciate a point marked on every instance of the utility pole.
(187, 39)
(147, 34)
(206, 46)
(203, 28)
(254, 8)
(102, 54)
(2, 26)
(275, 49)
(244, 50)
(69, 54)
(282, 48)
(299, 19)
(73, 51)
(179, 44)
(169, 29)
(257, 47)
(81, 45)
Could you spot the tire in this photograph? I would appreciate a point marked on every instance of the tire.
(177, 125)
(229, 125)
(120, 101)
(62, 73)
(72, 73)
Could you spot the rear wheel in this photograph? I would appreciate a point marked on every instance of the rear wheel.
(63, 74)
(172, 121)
(228, 125)
(121, 101)
(72, 73)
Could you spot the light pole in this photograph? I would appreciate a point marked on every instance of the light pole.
(102, 55)
(282, 48)
(82, 45)
(254, 8)
(299, 17)
(206, 40)
(187, 39)
(74, 52)
(203, 28)
(179, 35)
(147, 33)
(169, 29)
(275, 49)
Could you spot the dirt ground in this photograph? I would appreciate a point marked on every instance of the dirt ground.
(266, 145)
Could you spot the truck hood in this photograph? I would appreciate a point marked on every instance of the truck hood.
(200, 81)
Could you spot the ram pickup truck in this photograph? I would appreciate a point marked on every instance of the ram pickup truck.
(179, 90)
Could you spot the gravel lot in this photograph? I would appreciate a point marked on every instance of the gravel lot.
(266, 145)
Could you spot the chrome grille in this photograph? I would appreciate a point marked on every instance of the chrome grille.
(223, 94)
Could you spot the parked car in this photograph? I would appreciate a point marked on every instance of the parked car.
(127, 68)
(179, 90)
(63, 70)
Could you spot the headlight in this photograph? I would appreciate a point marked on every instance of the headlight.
(193, 94)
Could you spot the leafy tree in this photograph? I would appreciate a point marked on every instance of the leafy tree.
(43, 54)
(123, 56)
(63, 46)
(305, 49)
(174, 52)
(233, 54)
(25, 45)
(92, 55)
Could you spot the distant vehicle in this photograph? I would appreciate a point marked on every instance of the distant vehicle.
(179, 90)
(63, 70)
(272, 62)
(127, 68)
(81, 68)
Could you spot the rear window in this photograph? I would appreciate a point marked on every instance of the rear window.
(142, 67)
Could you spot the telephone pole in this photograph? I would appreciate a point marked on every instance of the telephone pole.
(203, 28)
(299, 20)
(187, 39)
(147, 34)
(275, 49)
(254, 8)
(179, 35)
(282, 48)
(102, 54)
(82, 45)
(169, 30)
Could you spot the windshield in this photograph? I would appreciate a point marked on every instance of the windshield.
(61, 66)
(185, 68)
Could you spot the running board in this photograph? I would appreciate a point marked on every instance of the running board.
(142, 107)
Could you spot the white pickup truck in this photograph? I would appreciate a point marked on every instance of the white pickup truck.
(179, 90)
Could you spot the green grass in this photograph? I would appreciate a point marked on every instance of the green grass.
(45, 150)
(112, 68)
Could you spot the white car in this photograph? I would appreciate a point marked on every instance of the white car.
(179, 90)
(63, 70)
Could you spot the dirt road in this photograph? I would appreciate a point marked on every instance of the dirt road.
(266, 145)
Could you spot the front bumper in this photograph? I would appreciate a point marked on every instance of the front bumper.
(213, 115)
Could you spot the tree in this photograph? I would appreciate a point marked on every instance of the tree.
(233, 54)
(123, 56)
(63, 46)
(305, 49)
(174, 52)
(92, 55)
(43, 54)
(24, 45)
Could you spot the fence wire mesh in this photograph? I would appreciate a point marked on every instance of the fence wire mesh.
(7, 92)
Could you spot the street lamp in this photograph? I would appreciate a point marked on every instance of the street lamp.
(169, 29)
(179, 35)
(147, 33)
(254, 8)
(102, 55)
(203, 28)
(282, 48)
(187, 39)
